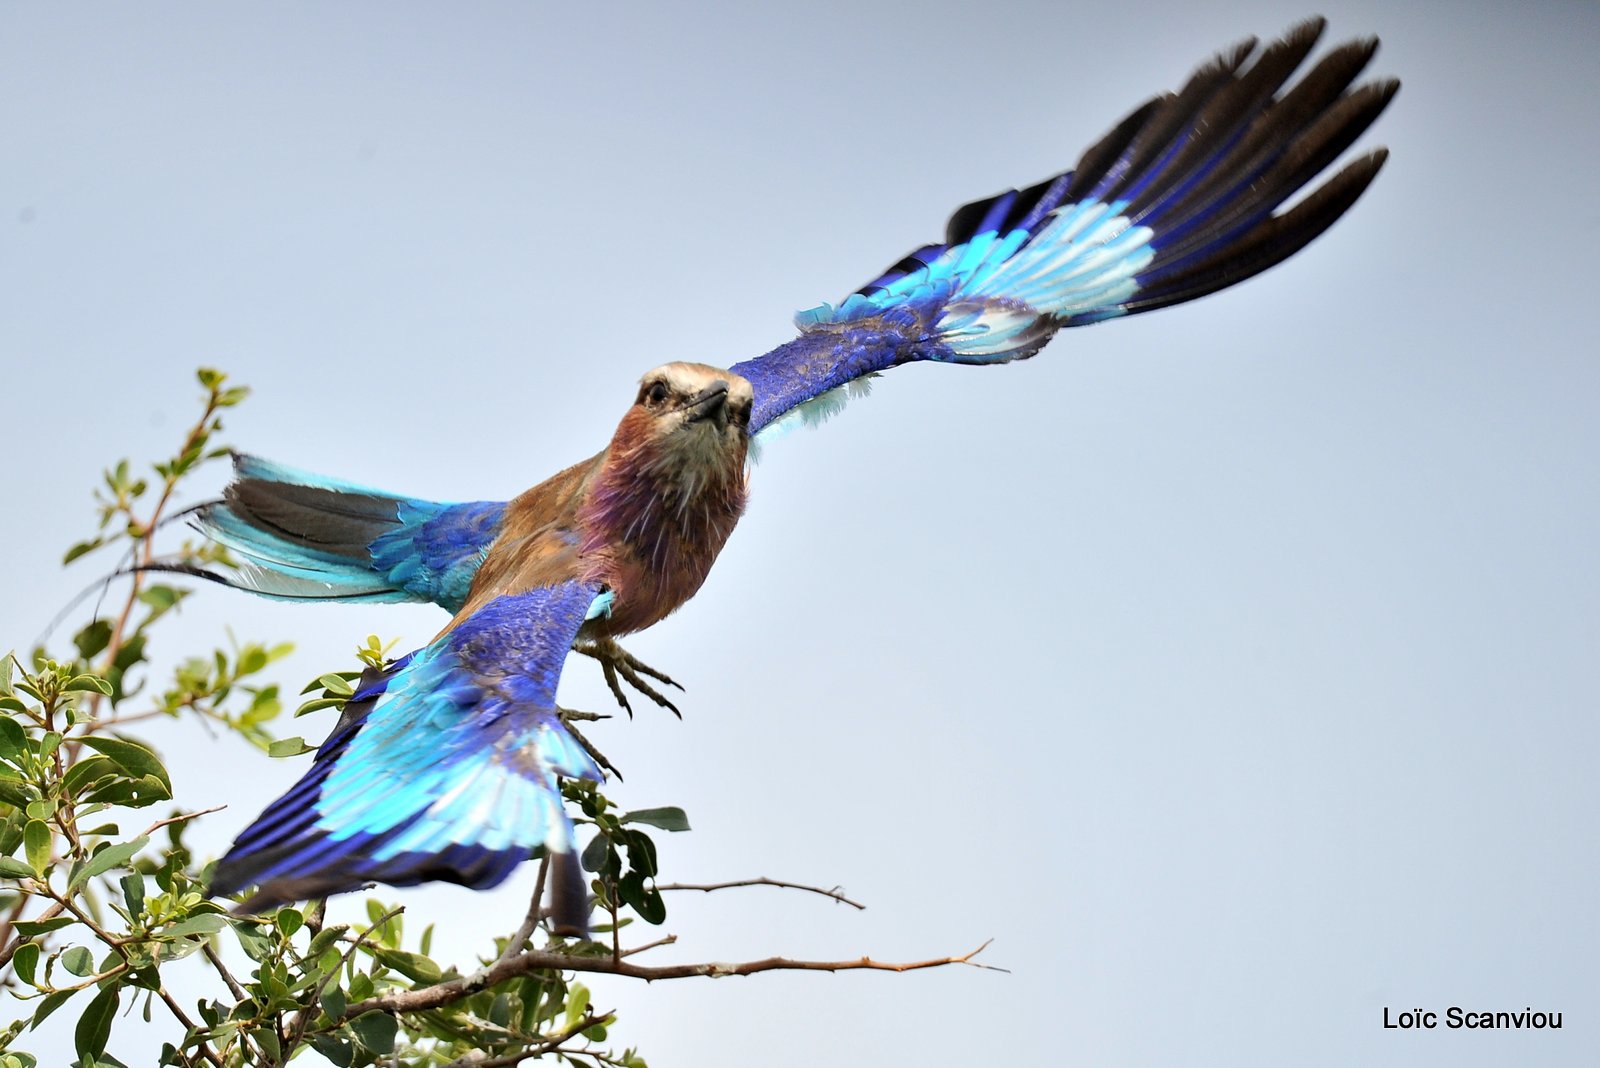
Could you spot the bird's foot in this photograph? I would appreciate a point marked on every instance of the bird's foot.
(617, 663)
(567, 715)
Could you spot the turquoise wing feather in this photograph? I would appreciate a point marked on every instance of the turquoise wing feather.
(444, 767)
(1181, 199)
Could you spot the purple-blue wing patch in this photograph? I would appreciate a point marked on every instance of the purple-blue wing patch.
(444, 767)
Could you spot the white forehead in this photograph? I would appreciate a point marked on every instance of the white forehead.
(693, 377)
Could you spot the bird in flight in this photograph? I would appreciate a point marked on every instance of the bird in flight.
(445, 763)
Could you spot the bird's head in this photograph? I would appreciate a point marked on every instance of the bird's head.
(690, 416)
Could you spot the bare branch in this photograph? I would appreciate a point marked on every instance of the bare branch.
(648, 946)
(188, 1025)
(531, 921)
(835, 893)
(541, 960)
(222, 970)
(180, 817)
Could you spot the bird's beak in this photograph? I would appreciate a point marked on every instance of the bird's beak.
(709, 403)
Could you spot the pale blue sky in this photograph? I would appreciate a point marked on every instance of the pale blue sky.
(1233, 667)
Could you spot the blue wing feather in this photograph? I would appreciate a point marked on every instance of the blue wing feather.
(1179, 200)
(444, 767)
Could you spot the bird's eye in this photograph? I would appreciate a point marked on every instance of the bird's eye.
(654, 393)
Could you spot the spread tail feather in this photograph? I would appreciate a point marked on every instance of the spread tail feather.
(306, 537)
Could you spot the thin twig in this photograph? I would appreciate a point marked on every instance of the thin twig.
(835, 893)
(530, 922)
(122, 721)
(180, 817)
(222, 970)
(143, 552)
(648, 946)
(188, 1025)
(545, 960)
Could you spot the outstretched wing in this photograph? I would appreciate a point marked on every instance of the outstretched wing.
(443, 767)
(1180, 200)
(305, 537)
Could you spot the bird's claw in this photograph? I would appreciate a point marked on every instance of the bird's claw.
(619, 666)
(567, 715)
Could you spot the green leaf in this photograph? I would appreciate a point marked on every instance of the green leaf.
(112, 856)
(208, 924)
(37, 842)
(35, 928)
(333, 1002)
(25, 960)
(413, 966)
(651, 908)
(670, 818)
(256, 945)
(340, 1054)
(289, 921)
(133, 893)
(13, 740)
(376, 1031)
(267, 1039)
(577, 1003)
(643, 899)
(82, 547)
(50, 1004)
(641, 852)
(325, 938)
(14, 793)
(595, 853)
(94, 1026)
(333, 683)
(361, 987)
(93, 639)
(137, 760)
(11, 868)
(162, 597)
(87, 684)
(288, 747)
(131, 793)
(88, 771)
(78, 960)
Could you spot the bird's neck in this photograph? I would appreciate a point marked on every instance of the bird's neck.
(653, 522)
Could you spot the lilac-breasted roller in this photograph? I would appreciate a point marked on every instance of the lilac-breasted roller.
(445, 765)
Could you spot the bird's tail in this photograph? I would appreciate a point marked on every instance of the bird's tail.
(1179, 200)
(305, 537)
